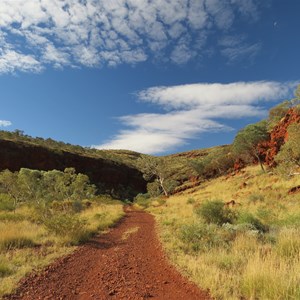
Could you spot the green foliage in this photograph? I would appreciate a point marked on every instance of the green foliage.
(255, 223)
(247, 139)
(5, 270)
(156, 170)
(199, 237)
(143, 200)
(216, 163)
(215, 212)
(44, 186)
(67, 226)
(6, 202)
(153, 189)
(277, 113)
(288, 158)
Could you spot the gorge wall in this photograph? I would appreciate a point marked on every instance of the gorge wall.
(110, 177)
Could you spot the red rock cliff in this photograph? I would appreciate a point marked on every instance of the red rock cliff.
(278, 136)
(109, 176)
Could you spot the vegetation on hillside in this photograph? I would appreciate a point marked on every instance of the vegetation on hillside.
(43, 215)
(247, 248)
(122, 156)
(238, 234)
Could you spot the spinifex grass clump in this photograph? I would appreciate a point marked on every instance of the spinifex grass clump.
(5, 270)
(18, 235)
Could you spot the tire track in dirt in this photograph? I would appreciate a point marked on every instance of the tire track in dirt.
(126, 263)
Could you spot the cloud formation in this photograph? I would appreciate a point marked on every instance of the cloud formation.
(191, 110)
(4, 123)
(93, 33)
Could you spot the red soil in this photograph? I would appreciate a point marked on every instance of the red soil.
(111, 267)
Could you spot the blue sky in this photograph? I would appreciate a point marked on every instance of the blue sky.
(152, 76)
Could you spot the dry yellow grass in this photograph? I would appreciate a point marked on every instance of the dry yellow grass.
(34, 247)
(253, 266)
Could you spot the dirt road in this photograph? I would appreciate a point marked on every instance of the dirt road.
(127, 263)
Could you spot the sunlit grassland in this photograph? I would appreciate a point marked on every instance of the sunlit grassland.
(234, 262)
(26, 244)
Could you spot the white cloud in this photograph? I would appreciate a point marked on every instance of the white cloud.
(4, 123)
(76, 32)
(193, 95)
(11, 61)
(191, 110)
(235, 48)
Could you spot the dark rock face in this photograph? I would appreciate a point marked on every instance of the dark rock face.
(110, 177)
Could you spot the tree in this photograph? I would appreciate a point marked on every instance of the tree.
(217, 162)
(30, 184)
(155, 168)
(9, 185)
(277, 113)
(247, 139)
(288, 158)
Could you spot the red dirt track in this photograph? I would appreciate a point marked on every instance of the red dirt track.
(112, 267)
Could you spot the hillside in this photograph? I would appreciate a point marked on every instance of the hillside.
(114, 172)
(248, 248)
(110, 177)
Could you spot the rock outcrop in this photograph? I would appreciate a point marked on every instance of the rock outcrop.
(110, 177)
(278, 136)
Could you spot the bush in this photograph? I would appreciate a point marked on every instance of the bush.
(6, 202)
(142, 200)
(4, 270)
(69, 227)
(199, 237)
(255, 223)
(215, 212)
(153, 189)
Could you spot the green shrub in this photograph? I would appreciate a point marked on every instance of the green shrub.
(153, 189)
(142, 200)
(69, 227)
(255, 223)
(267, 215)
(4, 269)
(215, 212)
(6, 202)
(200, 237)
(290, 220)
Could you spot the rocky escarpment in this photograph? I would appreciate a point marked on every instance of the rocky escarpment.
(278, 136)
(110, 177)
